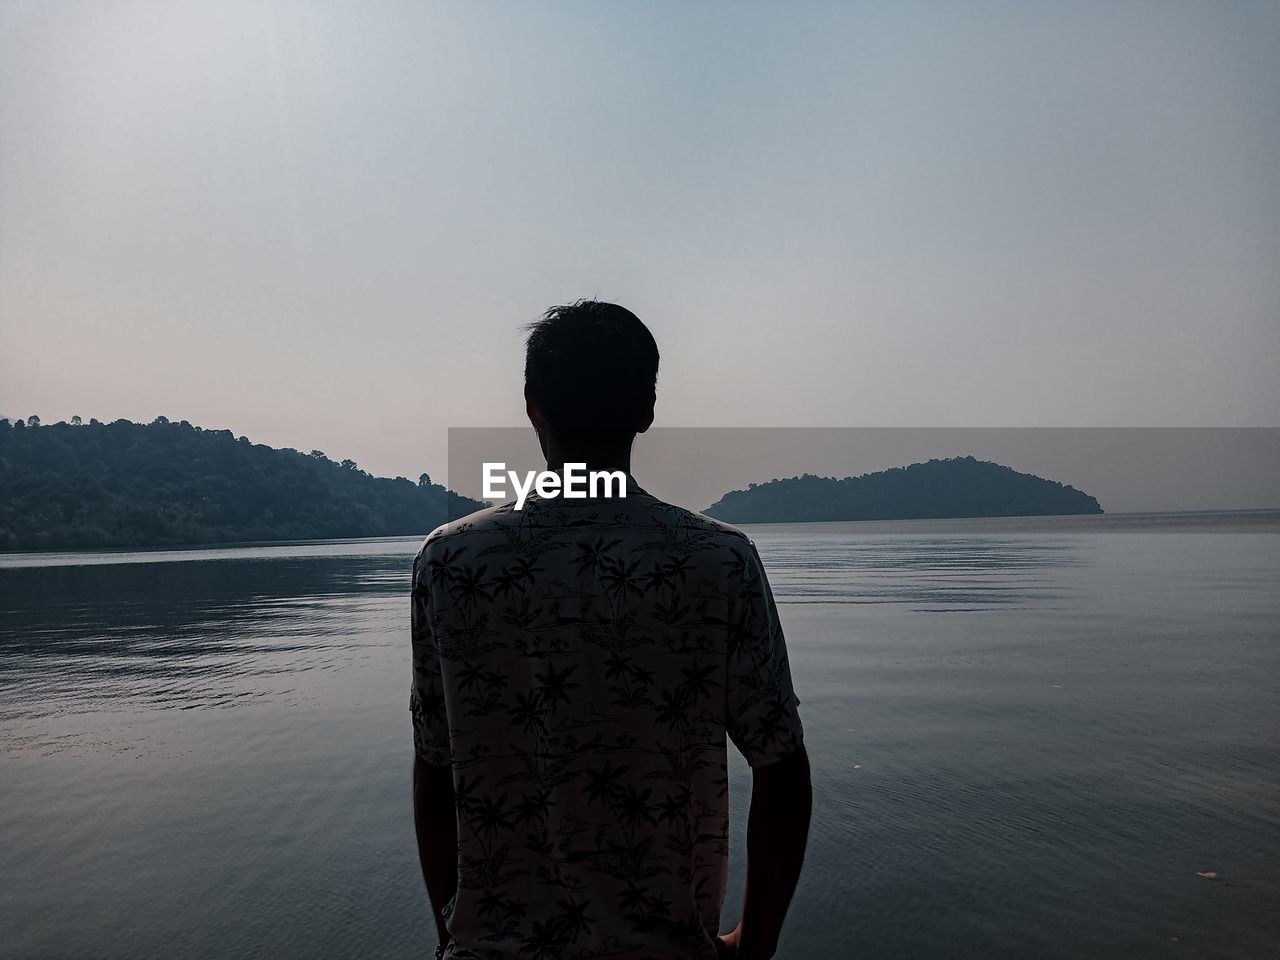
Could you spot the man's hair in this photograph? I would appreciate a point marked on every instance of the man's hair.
(591, 368)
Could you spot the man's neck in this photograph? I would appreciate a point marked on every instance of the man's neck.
(594, 459)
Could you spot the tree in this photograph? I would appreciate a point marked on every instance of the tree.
(424, 479)
(76, 421)
(125, 484)
(33, 421)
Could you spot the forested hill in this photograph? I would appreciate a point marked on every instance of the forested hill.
(960, 487)
(124, 484)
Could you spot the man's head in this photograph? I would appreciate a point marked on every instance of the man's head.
(590, 372)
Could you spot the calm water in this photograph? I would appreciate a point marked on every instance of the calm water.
(1027, 740)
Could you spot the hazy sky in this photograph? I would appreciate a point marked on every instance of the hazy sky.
(321, 224)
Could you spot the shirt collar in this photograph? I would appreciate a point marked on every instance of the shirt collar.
(633, 488)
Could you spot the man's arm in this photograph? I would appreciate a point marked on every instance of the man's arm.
(435, 821)
(763, 722)
(434, 817)
(777, 829)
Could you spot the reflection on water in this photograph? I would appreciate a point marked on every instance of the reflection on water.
(942, 573)
(188, 635)
(199, 632)
(1025, 744)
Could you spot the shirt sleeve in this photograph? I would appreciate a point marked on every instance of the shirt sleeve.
(762, 720)
(426, 698)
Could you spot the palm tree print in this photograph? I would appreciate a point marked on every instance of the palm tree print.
(580, 665)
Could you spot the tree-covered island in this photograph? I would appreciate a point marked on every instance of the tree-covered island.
(122, 484)
(938, 489)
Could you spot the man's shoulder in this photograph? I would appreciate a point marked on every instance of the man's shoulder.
(699, 529)
(487, 521)
(501, 524)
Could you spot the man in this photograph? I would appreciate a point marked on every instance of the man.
(577, 665)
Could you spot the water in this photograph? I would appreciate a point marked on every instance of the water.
(1027, 738)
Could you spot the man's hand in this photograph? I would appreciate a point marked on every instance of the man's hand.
(727, 946)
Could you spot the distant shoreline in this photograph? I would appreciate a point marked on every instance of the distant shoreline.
(1180, 521)
(1261, 521)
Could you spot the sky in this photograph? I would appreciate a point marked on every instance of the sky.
(322, 224)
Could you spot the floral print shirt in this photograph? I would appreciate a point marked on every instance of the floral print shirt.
(579, 665)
